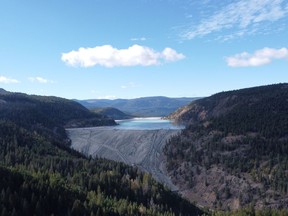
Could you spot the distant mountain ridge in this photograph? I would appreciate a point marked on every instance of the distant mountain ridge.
(145, 107)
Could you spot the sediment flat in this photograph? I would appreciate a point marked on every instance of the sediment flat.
(141, 148)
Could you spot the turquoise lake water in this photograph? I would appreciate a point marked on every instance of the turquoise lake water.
(147, 124)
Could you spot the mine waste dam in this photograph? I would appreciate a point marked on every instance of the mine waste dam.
(137, 142)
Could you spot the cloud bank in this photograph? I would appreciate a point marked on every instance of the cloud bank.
(241, 17)
(7, 80)
(109, 56)
(258, 58)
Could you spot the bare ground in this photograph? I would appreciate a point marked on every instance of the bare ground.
(141, 148)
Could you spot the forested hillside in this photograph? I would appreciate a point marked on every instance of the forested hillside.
(41, 175)
(112, 113)
(234, 150)
(47, 115)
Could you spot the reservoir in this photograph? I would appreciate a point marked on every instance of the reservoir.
(153, 123)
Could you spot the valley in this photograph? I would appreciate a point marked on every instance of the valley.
(231, 156)
(227, 157)
(42, 175)
(144, 108)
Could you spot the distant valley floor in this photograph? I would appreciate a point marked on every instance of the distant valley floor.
(142, 148)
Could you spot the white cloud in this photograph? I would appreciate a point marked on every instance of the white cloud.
(239, 16)
(109, 56)
(258, 58)
(40, 80)
(7, 80)
(171, 55)
(139, 39)
(129, 85)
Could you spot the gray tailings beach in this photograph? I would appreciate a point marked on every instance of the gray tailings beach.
(141, 148)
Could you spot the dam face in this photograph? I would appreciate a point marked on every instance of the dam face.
(141, 148)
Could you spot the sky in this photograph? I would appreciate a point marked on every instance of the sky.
(92, 49)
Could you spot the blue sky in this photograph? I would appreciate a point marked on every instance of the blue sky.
(127, 49)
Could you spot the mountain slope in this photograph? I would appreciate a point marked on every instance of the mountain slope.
(47, 114)
(112, 113)
(234, 149)
(145, 107)
(41, 175)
